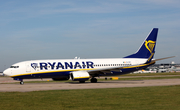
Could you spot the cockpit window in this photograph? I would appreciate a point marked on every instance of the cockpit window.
(14, 67)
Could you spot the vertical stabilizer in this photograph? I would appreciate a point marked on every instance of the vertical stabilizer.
(147, 49)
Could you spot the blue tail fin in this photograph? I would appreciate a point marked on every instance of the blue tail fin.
(147, 49)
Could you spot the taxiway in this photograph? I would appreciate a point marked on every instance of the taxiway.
(27, 87)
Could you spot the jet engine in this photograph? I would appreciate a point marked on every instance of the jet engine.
(80, 76)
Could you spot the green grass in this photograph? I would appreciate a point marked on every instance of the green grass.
(138, 98)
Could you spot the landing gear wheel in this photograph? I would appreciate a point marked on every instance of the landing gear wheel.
(81, 81)
(93, 80)
(21, 82)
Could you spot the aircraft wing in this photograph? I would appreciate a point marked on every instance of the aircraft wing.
(104, 70)
(117, 69)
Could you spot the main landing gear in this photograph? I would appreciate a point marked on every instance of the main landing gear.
(81, 81)
(93, 80)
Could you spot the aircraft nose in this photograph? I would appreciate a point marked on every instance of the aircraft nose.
(7, 72)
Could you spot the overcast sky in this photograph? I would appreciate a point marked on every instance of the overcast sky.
(58, 29)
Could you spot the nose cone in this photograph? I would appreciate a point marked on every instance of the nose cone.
(7, 72)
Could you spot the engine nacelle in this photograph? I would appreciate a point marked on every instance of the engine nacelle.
(80, 76)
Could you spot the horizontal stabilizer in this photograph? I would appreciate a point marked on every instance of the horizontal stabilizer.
(163, 58)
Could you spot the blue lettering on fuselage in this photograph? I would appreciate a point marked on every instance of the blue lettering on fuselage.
(59, 65)
(77, 65)
(65, 65)
(83, 65)
(68, 65)
(52, 65)
(43, 65)
(89, 64)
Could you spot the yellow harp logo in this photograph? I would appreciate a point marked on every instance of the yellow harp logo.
(150, 45)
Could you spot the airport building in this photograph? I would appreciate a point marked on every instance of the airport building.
(161, 68)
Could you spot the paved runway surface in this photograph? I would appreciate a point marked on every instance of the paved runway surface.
(27, 87)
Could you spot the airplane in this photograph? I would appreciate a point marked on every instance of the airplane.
(83, 69)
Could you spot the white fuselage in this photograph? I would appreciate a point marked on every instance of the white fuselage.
(48, 66)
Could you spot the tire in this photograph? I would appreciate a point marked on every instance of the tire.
(93, 80)
(21, 82)
(81, 81)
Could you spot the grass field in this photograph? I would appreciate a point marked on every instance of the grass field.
(138, 98)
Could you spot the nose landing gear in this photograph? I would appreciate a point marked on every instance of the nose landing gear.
(21, 82)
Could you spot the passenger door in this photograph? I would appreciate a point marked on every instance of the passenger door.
(28, 68)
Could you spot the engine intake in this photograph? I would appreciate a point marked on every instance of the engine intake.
(80, 76)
